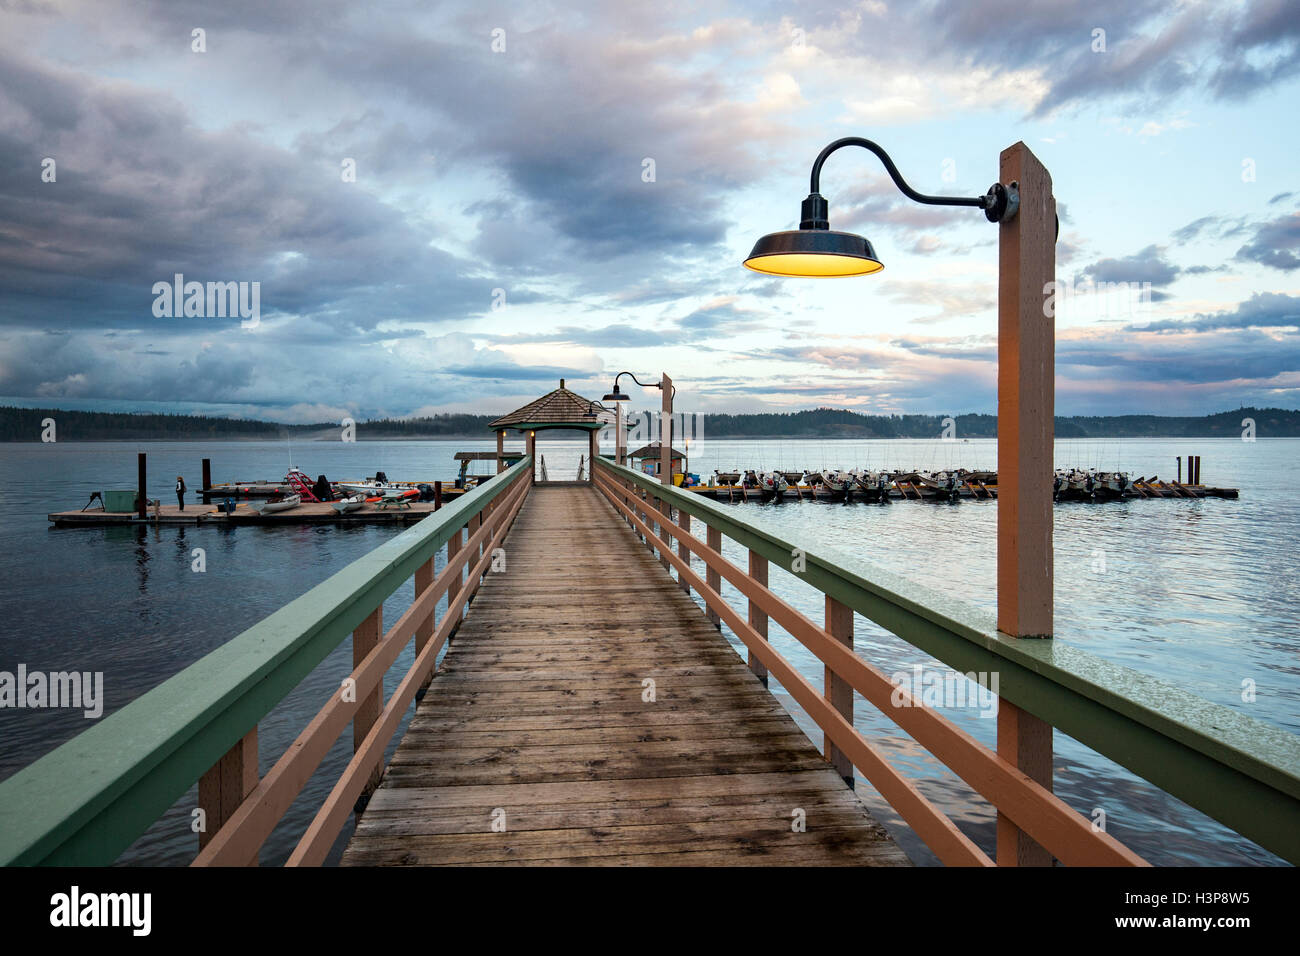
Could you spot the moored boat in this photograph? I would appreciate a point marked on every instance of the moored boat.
(283, 503)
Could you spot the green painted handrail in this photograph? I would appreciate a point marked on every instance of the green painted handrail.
(1238, 769)
(86, 801)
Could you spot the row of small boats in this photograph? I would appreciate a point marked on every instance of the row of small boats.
(1073, 484)
(344, 497)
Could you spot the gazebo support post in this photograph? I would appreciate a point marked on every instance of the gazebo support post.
(501, 447)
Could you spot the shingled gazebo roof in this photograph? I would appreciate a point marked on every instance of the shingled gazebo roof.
(652, 451)
(558, 409)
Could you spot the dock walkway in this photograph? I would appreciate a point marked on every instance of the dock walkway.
(540, 741)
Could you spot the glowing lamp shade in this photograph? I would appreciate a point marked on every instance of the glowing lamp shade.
(813, 253)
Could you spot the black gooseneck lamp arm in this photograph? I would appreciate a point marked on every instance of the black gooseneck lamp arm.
(999, 203)
(658, 385)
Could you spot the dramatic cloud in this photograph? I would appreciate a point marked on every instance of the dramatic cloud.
(548, 190)
(1275, 244)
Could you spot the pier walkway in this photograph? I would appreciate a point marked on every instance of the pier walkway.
(618, 728)
(588, 709)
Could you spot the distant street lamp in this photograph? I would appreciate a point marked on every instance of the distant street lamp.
(618, 398)
(1023, 205)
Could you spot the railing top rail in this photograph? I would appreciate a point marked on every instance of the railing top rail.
(1128, 716)
(87, 800)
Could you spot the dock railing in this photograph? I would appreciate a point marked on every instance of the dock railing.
(89, 799)
(1237, 769)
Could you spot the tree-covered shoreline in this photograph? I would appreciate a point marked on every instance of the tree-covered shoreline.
(28, 425)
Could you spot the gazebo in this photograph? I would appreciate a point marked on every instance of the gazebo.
(561, 408)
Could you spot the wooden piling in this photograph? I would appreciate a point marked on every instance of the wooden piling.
(142, 498)
(437, 495)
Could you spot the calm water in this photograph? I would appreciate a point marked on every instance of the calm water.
(1199, 593)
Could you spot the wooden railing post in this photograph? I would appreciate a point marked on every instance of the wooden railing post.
(222, 788)
(683, 552)
(1026, 400)
(757, 617)
(470, 529)
(364, 640)
(424, 631)
(454, 544)
(713, 578)
(663, 512)
(839, 625)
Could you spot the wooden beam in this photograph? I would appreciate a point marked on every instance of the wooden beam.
(364, 640)
(838, 691)
(1026, 393)
(757, 617)
(713, 578)
(223, 787)
(683, 522)
(501, 447)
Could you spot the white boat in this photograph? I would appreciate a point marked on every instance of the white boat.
(370, 488)
(836, 480)
(283, 504)
(346, 505)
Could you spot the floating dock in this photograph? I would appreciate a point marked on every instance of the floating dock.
(371, 513)
(907, 491)
(306, 513)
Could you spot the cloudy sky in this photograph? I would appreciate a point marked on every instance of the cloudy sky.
(503, 228)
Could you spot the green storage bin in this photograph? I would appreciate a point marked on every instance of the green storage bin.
(119, 500)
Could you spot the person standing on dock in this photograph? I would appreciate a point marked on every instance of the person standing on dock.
(180, 492)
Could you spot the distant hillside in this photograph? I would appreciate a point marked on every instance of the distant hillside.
(840, 423)
(24, 424)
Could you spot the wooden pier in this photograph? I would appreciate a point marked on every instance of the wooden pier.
(589, 711)
(616, 729)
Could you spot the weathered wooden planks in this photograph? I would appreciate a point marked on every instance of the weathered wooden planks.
(590, 713)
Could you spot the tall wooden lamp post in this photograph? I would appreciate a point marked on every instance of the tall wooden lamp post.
(1022, 205)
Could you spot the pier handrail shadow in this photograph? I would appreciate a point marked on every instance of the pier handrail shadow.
(89, 799)
(1241, 771)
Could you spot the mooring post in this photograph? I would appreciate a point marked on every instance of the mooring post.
(207, 477)
(1180, 468)
(437, 495)
(1026, 402)
(142, 501)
